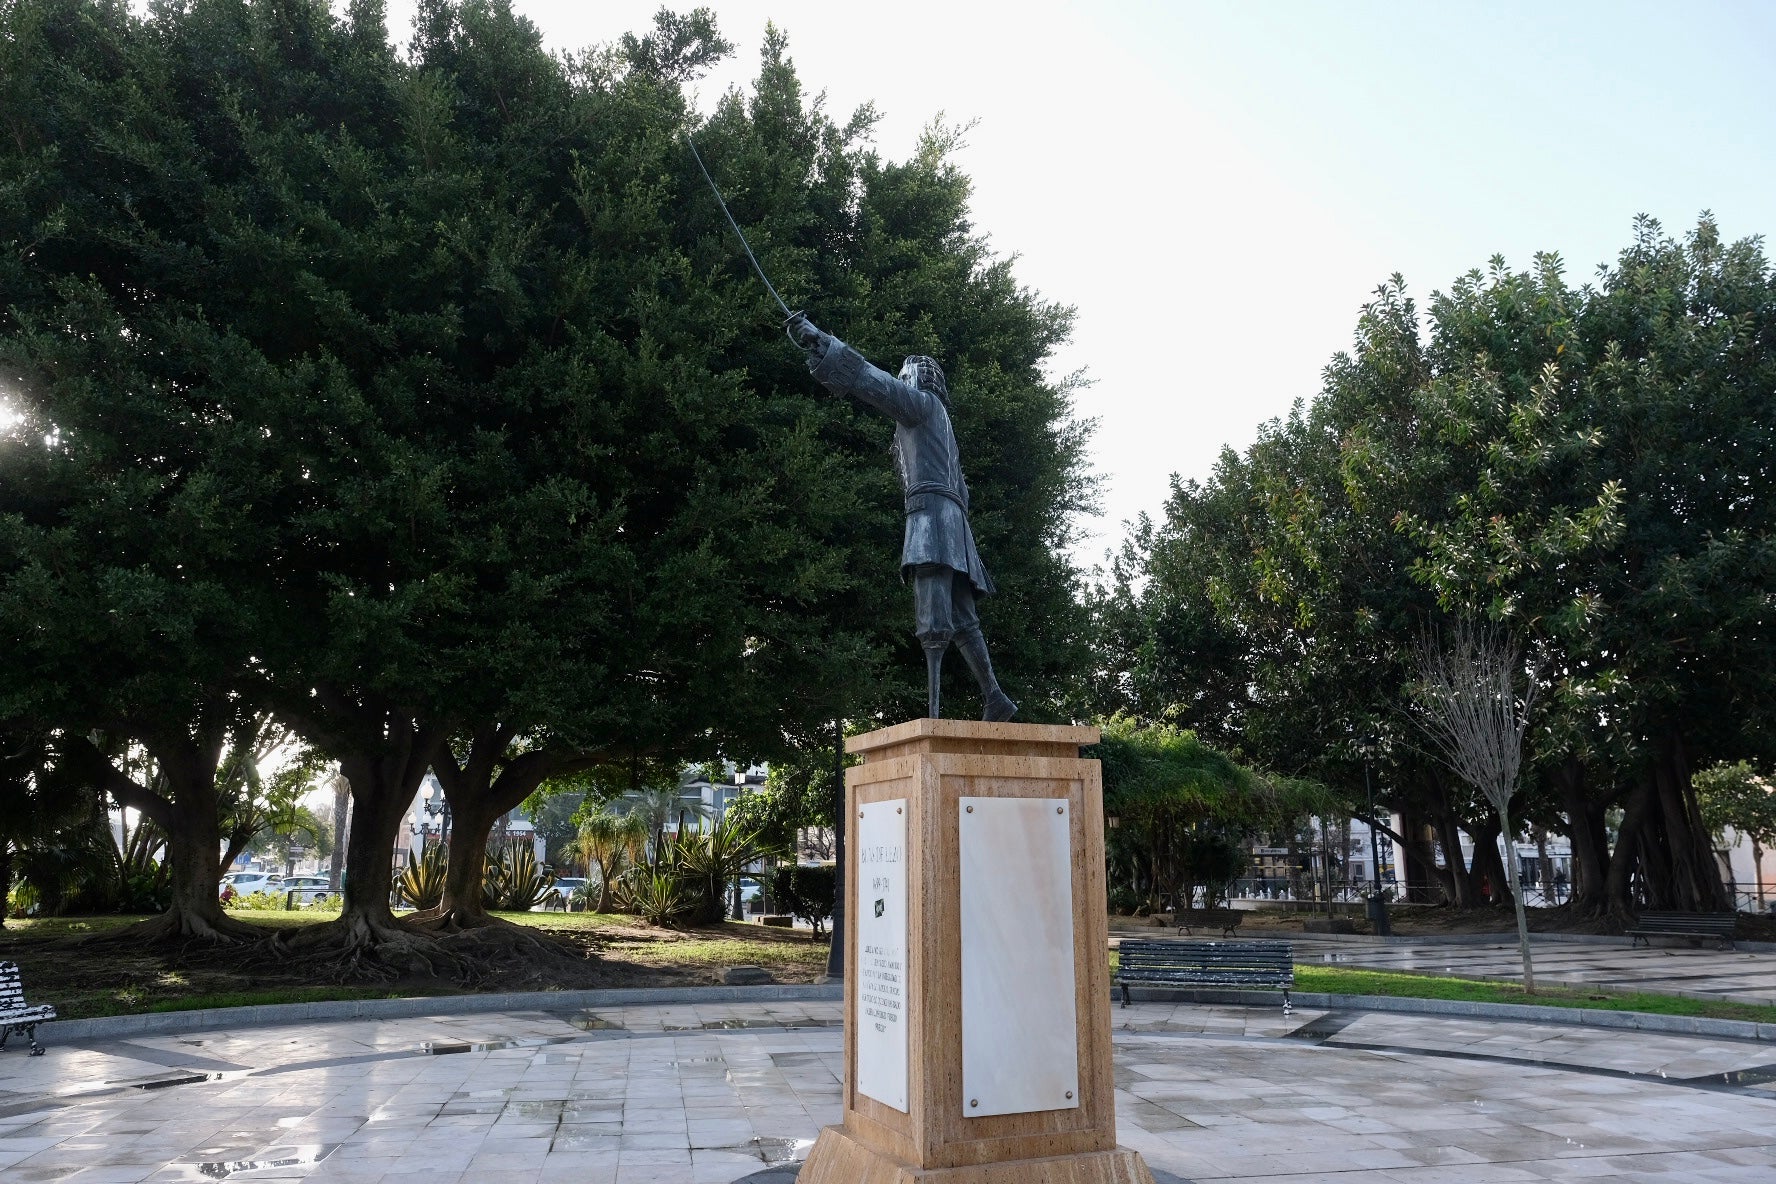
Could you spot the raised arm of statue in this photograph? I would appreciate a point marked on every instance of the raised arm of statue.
(844, 371)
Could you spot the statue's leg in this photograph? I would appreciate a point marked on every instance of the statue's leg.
(996, 704)
(934, 628)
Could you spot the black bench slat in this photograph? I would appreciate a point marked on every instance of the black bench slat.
(15, 1014)
(1207, 963)
(1719, 926)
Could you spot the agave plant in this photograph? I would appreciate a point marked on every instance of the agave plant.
(527, 884)
(513, 880)
(710, 860)
(656, 895)
(421, 885)
(495, 879)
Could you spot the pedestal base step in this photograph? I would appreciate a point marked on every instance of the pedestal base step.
(838, 1158)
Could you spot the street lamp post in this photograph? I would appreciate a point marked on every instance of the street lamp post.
(1378, 911)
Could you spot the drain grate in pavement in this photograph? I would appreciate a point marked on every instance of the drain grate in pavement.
(1325, 1027)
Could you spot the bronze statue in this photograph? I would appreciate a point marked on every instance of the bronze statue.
(938, 548)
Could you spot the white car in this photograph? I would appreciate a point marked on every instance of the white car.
(247, 883)
(309, 889)
(560, 896)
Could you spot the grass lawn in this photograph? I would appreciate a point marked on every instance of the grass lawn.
(1340, 981)
(1335, 980)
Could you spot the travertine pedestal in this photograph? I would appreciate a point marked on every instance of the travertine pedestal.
(977, 1020)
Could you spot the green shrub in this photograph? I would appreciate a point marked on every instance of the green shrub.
(806, 892)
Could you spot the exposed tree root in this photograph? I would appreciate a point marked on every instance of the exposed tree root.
(183, 928)
(357, 948)
(498, 945)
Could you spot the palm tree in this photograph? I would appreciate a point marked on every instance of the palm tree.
(608, 840)
(660, 807)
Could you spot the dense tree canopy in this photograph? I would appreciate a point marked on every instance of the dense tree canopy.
(1582, 465)
(424, 400)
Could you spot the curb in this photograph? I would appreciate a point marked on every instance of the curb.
(274, 1014)
(1510, 939)
(1523, 1013)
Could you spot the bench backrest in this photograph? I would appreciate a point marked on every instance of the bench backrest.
(1207, 916)
(1670, 922)
(12, 989)
(1159, 958)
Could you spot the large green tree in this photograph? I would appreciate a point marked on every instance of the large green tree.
(444, 419)
(1575, 464)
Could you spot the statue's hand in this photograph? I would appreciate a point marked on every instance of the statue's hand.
(803, 332)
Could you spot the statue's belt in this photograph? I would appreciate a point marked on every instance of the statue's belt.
(938, 488)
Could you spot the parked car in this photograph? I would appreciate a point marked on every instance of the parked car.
(247, 883)
(309, 889)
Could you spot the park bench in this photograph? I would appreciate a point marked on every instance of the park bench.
(1718, 926)
(1207, 964)
(1226, 920)
(15, 1014)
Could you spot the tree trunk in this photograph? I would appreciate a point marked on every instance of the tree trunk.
(1461, 886)
(1589, 839)
(194, 853)
(1529, 982)
(1488, 866)
(382, 786)
(341, 807)
(1696, 878)
(1757, 874)
(835, 952)
(1629, 846)
(466, 870)
(188, 813)
(5, 879)
(1418, 859)
(480, 791)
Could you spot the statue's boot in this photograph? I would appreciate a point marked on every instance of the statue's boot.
(934, 656)
(998, 705)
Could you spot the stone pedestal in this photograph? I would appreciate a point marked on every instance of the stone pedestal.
(977, 988)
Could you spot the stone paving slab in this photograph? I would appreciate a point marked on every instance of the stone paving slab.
(709, 1093)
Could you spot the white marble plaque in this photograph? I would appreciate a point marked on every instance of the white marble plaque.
(881, 937)
(1020, 1050)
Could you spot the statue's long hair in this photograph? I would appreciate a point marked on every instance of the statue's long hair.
(931, 378)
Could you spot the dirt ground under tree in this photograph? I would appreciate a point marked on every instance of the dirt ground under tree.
(90, 966)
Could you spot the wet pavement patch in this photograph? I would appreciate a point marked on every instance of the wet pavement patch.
(273, 1161)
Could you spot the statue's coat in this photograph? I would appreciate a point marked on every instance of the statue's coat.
(925, 456)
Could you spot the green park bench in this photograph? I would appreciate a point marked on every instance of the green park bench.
(1206, 964)
(15, 1014)
(1696, 926)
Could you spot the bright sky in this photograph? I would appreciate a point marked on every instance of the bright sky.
(1218, 186)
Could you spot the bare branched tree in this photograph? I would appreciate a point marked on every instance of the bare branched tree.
(1470, 707)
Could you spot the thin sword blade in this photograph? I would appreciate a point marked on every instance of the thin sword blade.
(744, 246)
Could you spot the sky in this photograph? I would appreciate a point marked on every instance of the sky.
(1217, 187)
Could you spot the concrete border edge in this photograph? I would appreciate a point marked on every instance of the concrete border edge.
(1638, 1021)
(274, 1014)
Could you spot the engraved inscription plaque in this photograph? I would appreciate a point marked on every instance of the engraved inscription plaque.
(882, 952)
(1020, 1050)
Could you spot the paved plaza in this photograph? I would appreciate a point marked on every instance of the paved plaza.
(1668, 968)
(729, 1091)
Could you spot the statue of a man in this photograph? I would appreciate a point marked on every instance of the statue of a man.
(938, 549)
